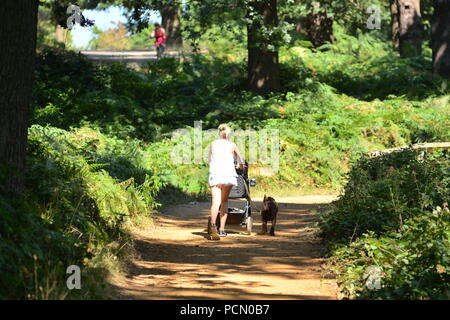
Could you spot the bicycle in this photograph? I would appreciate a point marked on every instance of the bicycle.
(160, 49)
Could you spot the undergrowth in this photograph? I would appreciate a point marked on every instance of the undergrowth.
(72, 213)
(393, 215)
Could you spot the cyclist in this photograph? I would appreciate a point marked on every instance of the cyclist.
(160, 40)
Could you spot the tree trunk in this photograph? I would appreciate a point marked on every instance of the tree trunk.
(301, 25)
(18, 39)
(263, 65)
(170, 15)
(395, 25)
(320, 28)
(410, 28)
(441, 38)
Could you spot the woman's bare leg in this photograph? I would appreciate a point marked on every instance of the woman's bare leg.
(224, 205)
(215, 193)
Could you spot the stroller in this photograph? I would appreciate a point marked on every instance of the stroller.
(241, 216)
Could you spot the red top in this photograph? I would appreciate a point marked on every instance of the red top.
(160, 36)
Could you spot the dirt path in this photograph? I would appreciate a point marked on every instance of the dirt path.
(178, 262)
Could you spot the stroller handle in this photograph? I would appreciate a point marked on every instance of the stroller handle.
(242, 171)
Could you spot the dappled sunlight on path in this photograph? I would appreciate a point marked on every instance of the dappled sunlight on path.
(178, 262)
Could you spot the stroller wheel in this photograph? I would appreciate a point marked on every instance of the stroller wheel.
(249, 224)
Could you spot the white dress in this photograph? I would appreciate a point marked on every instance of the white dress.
(222, 170)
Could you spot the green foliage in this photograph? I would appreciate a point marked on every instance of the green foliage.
(385, 191)
(118, 38)
(351, 14)
(73, 213)
(100, 152)
(142, 40)
(46, 31)
(366, 68)
(71, 91)
(202, 16)
(394, 215)
(58, 9)
(321, 129)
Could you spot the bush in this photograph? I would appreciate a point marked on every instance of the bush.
(73, 213)
(393, 215)
(384, 192)
(364, 67)
(71, 91)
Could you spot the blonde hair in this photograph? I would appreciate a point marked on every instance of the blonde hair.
(224, 131)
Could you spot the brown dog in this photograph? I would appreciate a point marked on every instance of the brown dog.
(269, 212)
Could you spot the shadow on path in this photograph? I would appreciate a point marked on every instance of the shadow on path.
(178, 262)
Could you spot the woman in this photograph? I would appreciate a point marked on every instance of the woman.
(222, 177)
(160, 39)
